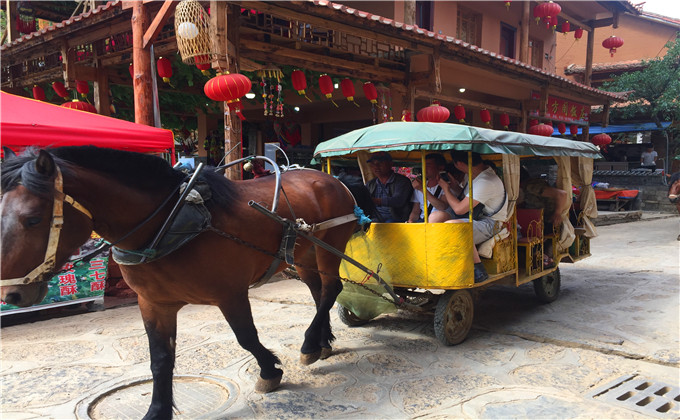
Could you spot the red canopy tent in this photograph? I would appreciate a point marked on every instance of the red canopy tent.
(26, 122)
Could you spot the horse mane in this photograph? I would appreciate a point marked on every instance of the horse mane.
(145, 172)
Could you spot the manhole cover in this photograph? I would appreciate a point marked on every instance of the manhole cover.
(643, 395)
(195, 396)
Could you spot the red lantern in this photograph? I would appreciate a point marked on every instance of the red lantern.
(348, 91)
(551, 10)
(541, 130)
(507, 5)
(326, 86)
(562, 128)
(81, 106)
(613, 42)
(533, 123)
(406, 115)
(505, 121)
(552, 23)
(227, 87)
(566, 27)
(578, 33)
(83, 88)
(132, 71)
(601, 140)
(459, 112)
(38, 93)
(204, 68)
(371, 92)
(299, 83)
(486, 116)
(164, 69)
(433, 113)
(573, 130)
(60, 89)
(539, 13)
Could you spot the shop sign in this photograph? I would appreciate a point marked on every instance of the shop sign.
(559, 109)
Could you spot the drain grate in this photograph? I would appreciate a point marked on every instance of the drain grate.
(643, 395)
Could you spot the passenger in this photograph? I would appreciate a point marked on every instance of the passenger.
(391, 192)
(487, 190)
(535, 193)
(437, 205)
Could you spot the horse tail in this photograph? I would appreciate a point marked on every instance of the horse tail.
(356, 186)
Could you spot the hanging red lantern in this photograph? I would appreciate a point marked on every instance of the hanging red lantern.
(541, 130)
(60, 89)
(80, 105)
(539, 13)
(132, 71)
(486, 116)
(83, 88)
(613, 42)
(562, 128)
(433, 113)
(507, 5)
(204, 68)
(347, 86)
(38, 93)
(299, 83)
(459, 112)
(371, 92)
(164, 69)
(533, 122)
(601, 140)
(578, 33)
(552, 23)
(566, 27)
(551, 10)
(237, 106)
(406, 115)
(326, 86)
(505, 121)
(227, 87)
(573, 130)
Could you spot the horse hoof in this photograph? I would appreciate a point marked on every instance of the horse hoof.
(326, 352)
(308, 359)
(264, 386)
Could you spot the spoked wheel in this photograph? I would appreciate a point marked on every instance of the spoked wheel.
(547, 288)
(453, 317)
(348, 318)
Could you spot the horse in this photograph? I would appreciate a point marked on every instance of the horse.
(126, 197)
(674, 191)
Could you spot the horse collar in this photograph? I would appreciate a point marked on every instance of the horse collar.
(56, 224)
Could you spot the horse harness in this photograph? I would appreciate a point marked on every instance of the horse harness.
(56, 223)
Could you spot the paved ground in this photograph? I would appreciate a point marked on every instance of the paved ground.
(617, 317)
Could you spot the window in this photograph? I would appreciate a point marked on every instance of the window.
(536, 51)
(424, 15)
(469, 27)
(507, 40)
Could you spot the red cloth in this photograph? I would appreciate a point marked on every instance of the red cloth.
(26, 122)
(606, 195)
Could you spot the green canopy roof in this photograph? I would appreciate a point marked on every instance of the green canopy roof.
(416, 136)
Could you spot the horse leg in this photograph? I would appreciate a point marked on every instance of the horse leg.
(240, 318)
(313, 281)
(160, 322)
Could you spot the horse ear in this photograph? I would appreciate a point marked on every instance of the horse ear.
(9, 153)
(45, 164)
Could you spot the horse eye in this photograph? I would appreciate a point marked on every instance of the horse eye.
(32, 221)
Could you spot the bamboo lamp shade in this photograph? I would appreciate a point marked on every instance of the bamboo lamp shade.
(194, 33)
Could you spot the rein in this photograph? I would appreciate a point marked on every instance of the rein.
(56, 224)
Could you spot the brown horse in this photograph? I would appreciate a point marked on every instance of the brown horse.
(125, 197)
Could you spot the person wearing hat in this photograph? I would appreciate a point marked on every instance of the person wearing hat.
(391, 192)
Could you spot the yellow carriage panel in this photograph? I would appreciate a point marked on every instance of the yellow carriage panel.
(423, 255)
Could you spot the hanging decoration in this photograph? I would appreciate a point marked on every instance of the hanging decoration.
(539, 13)
(553, 23)
(550, 11)
(601, 140)
(612, 43)
(38, 93)
(486, 117)
(505, 120)
(406, 115)
(459, 112)
(203, 64)
(164, 69)
(573, 130)
(326, 86)
(81, 106)
(566, 27)
(195, 35)
(562, 128)
(83, 88)
(25, 18)
(533, 122)
(433, 113)
(270, 80)
(507, 5)
(300, 83)
(371, 94)
(347, 87)
(227, 87)
(385, 104)
(541, 130)
(578, 33)
(60, 89)
(132, 71)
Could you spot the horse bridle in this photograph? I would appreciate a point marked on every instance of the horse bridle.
(56, 224)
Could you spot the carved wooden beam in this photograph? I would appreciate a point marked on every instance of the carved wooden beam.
(159, 21)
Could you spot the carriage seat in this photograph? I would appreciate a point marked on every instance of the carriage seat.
(485, 249)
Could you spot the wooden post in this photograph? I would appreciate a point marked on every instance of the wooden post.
(524, 32)
(410, 12)
(141, 62)
(589, 57)
(68, 65)
(101, 86)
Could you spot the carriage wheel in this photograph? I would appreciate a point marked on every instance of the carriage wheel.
(453, 316)
(348, 318)
(547, 288)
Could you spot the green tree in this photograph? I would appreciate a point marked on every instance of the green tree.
(653, 93)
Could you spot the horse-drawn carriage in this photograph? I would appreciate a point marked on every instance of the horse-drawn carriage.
(429, 266)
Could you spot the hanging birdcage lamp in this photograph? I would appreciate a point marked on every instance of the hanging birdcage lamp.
(194, 33)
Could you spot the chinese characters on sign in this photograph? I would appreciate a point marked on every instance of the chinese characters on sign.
(559, 109)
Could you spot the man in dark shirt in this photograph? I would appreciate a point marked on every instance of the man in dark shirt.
(391, 192)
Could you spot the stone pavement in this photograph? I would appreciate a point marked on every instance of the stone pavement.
(617, 318)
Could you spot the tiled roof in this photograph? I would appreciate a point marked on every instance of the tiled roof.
(661, 18)
(603, 67)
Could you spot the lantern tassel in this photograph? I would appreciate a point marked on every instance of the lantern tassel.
(333, 102)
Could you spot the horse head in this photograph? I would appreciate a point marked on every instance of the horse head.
(39, 233)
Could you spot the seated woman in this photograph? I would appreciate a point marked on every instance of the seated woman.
(437, 205)
(487, 190)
